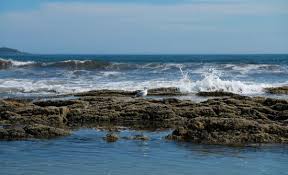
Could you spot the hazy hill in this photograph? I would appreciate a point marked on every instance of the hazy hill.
(6, 50)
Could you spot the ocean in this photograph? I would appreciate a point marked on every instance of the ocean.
(85, 152)
(34, 75)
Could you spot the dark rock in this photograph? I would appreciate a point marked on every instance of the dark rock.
(138, 137)
(5, 64)
(43, 131)
(108, 93)
(111, 137)
(169, 91)
(230, 132)
(31, 131)
(57, 103)
(227, 120)
(216, 94)
(277, 90)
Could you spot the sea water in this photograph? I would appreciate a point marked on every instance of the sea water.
(59, 74)
(86, 153)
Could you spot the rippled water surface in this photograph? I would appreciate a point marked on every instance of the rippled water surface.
(86, 153)
(36, 75)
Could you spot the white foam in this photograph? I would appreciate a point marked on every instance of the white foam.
(75, 61)
(258, 68)
(110, 73)
(17, 63)
(212, 81)
(22, 63)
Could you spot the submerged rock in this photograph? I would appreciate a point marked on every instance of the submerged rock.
(111, 137)
(137, 137)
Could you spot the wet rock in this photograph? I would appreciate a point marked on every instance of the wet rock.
(169, 91)
(230, 131)
(5, 64)
(57, 103)
(231, 119)
(111, 137)
(108, 93)
(138, 137)
(43, 131)
(277, 90)
(13, 133)
(31, 131)
(271, 101)
(215, 94)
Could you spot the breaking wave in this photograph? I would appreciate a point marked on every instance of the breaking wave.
(67, 64)
(212, 81)
(13, 63)
(157, 67)
(84, 75)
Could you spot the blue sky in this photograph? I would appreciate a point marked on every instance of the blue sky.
(145, 26)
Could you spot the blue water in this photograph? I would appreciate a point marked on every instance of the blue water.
(85, 153)
(241, 58)
(59, 74)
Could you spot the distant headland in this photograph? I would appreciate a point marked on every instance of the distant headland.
(9, 51)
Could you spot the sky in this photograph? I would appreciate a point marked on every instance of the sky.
(145, 26)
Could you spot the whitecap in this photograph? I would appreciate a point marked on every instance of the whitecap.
(17, 63)
(212, 81)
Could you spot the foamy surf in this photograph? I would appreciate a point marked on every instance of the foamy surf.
(61, 75)
(211, 81)
(14, 63)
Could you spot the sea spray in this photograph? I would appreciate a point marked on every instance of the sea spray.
(60, 74)
(212, 81)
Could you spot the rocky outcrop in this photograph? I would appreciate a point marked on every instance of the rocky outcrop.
(237, 121)
(216, 94)
(226, 120)
(15, 132)
(111, 137)
(230, 131)
(170, 91)
(4, 64)
(277, 90)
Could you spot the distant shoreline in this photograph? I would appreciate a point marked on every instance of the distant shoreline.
(11, 51)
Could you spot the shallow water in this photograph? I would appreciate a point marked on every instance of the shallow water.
(85, 153)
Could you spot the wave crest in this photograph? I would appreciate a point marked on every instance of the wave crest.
(5, 64)
(67, 64)
(212, 81)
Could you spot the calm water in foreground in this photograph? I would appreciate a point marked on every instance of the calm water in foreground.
(86, 153)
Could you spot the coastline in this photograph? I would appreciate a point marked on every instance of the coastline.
(229, 119)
